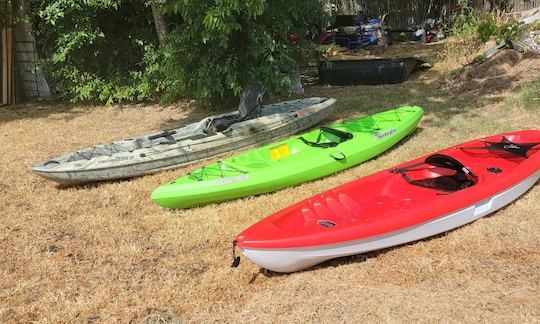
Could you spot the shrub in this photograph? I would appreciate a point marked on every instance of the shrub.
(464, 23)
(216, 48)
(107, 50)
(508, 31)
(487, 27)
(467, 24)
(93, 50)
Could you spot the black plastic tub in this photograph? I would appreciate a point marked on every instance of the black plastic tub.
(371, 71)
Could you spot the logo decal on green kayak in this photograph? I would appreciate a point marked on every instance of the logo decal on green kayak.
(232, 180)
(386, 134)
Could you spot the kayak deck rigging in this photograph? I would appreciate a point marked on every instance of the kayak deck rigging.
(221, 169)
(519, 149)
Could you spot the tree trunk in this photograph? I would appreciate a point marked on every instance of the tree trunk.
(159, 21)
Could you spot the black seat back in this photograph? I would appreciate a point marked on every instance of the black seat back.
(249, 107)
(251, 101)
(463, 178)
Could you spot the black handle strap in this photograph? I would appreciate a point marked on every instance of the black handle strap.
(338, 133)
(402, 170)
(236, 259)
(166, 134)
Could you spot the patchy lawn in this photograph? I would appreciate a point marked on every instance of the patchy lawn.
(104, 252)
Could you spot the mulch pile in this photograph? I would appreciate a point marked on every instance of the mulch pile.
(506, 70)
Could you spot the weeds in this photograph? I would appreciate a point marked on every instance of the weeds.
(461, 50)
(493, 25)
(529, 96)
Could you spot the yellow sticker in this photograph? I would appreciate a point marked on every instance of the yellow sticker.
(279, 152)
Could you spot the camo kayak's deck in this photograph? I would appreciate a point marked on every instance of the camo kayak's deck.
(177, 147)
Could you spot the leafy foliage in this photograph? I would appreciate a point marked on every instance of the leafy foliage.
(107, 49)
(93, 49)
(216, 48)
(487, 27)
(468, 24)
(509, 31)
(464, 23)
(4, 15)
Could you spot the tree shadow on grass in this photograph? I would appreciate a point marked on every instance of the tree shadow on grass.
(352, 101)
(38, 110)
(443, 105)
(91, 185)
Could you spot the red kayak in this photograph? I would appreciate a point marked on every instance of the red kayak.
(415, 200)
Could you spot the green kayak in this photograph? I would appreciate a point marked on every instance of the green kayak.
(298, 159)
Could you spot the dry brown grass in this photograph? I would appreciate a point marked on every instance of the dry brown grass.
(105, 252)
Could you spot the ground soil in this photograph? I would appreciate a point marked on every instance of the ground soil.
(104, 252)
(505, 70)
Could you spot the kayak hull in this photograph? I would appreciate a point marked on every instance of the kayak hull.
(295, 259)
(189, 144)
(418, 199)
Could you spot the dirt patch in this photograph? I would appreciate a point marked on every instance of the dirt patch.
(506, 70)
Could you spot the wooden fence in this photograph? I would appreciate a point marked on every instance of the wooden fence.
(9, 94)
(20, 77)
(411, 14)
(508, 5)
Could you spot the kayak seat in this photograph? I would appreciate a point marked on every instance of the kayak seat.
(444, 183)
(339, 135)
(461, 179)
(249, 108)
(224, 122)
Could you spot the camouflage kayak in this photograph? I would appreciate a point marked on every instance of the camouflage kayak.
(186, 145)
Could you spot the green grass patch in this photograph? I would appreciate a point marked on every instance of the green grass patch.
(530, 95)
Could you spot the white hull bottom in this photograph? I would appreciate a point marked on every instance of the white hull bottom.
(294, 259)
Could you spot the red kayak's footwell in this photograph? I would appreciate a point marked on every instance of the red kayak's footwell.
(417, 199)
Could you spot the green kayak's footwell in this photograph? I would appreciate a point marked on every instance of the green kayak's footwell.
(298, 159)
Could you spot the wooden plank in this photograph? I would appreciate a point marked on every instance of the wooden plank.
(9, 54)
(10, 72)
(1, 68)
(5, 93)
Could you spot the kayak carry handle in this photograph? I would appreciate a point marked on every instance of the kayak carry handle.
(166, 134)
(236, 259)
(168, 142)
(338, 158)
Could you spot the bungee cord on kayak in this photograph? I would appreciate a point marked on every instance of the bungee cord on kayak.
(519, 149)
